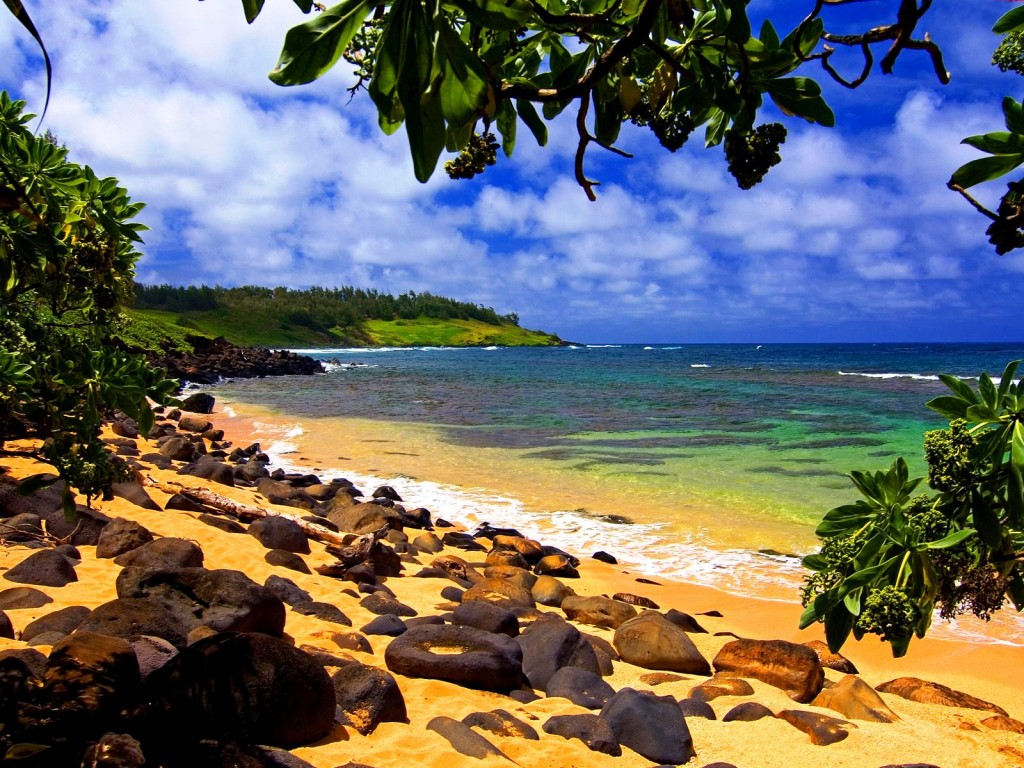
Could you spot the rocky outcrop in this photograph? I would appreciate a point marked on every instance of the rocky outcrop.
(214, 359)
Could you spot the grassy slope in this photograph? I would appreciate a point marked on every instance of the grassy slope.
(147, 326)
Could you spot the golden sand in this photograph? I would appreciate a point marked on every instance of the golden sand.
(942, 736)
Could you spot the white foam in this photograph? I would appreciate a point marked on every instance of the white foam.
(228, 411)
(916, 376)
(604, 346)
(700, 365)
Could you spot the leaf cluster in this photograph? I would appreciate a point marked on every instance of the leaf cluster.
(67, 255)
(891, 559)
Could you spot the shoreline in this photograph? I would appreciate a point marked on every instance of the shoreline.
(734, 572)
(925, 733)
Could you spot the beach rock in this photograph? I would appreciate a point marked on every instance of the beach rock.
(486, 616)
(222, 599)
(513, 574)
(464, 739)
(389, 625)
(189, 423)
(6, 627)
(152, 653)
(159, 461)
(650, 725)
(428, 542)
(637, 600)
(1004, 723)
(457, 569)
(63, 621)
(114, 750)
(133, 492)
(209, 468)
(120, 536)
(926, 692)
(43, 568)
(200, 402)
(81, 531)
(581, 687)
(830, 660)
(597, 611)
(132, 617)
(531, 550)
(549, 591)
(651, 641)
(593, 730)
(603, 557)
(550, 644)
(178, 449)
(659, 678)
(26, 526)
(382, 604)
(501, 723)
(285, 494)
(506, 557)
(792, 667)
(246, 687)
(501, 592)
(855, 699)
(185, 504)
(696, 708)
(363, 518)
(462, 655)
(23, 597)
(367, 697)
(822, 729)
(386, 492)
(287, 590)
(89, 680)
(747, 712)
(684, 621)
(251, 471)
(280, 533)
(285, 559)
(352, 641)
(323, 611)
(557, 565)
(167, 553)
(721, 685)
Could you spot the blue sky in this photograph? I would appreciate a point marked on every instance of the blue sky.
(853, 238)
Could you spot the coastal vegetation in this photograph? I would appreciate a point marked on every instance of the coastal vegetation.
(317, 317)
(894, 557)
(67, 257)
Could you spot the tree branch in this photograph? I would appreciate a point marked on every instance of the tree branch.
(972, 200)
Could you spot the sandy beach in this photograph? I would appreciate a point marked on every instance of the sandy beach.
(925, 733)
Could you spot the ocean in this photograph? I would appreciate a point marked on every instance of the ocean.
(711, 463)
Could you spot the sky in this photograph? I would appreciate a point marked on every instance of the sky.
(854, 237)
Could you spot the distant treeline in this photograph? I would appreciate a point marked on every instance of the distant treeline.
(318, 309)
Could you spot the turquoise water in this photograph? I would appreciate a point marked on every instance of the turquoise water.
(724, 447)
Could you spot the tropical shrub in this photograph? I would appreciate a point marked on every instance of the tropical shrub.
(891, 559)
(67, 256)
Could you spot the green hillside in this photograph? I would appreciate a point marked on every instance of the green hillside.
(279, 317)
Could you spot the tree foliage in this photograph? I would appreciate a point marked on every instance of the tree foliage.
(67, 254)
(454, 72)
(891, 559)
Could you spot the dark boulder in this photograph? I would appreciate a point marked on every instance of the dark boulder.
(120, 536)
(747, 712)
(200, 402)
(367, 697)
(285, 559)
(684, 621)
(389, 625)
(23, 597)
(462, 655)
(207, 467)
(550, 644)
(26, 526)
(323, 611)
(63, 621)
(163, 554)
(653, 726)
(592, 730)
(178, 449)
(287, 590)
(83, 530)
(597, 611)
(557, 565)
(464, 739)
(280, 533)
(246, 687)
(132, 491)
(501, 723)
(485, 616)
(6, 627)
(382, 605)
(581, 687)
(130, 618)
(43, 568)
(653, 642)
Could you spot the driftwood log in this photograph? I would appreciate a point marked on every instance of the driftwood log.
(248, 512)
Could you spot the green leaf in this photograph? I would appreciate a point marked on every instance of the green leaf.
(18, 11)
(533, 121)
(952, 540)
(949, 406)
(960, 387)
(1006, 380)
(985, 169)
(982, 413)
(252, 9)
(464, 80)
(304, 5)
(312, 48)
(810, 34)
(495, 14)
(24, 751)
(768, 35)
(1013, 114)
(838, 623)
(997, 143)
(1017, 446)
(1010, 21)
(986, 521)
(801, 97)
(852, 601)
(507, 126)
(814, 562)
(987, 391)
